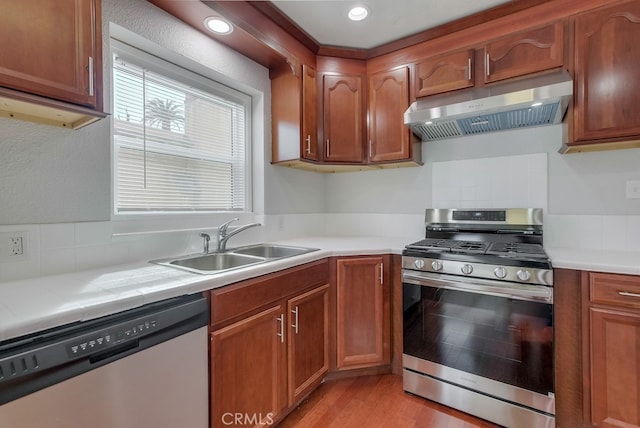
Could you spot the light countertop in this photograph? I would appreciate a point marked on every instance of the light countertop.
(624, 262)
(31, 305)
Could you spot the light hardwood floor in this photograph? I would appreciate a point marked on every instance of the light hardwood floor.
(374, 401)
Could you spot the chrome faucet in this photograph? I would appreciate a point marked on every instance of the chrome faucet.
(224, 235)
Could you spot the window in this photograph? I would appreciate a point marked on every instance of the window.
(180, 139)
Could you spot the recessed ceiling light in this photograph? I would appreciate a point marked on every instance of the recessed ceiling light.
(358, 13)
(218, 25)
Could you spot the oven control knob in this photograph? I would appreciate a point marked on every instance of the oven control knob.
(419, 263)
(466, 269)
(436, 265)
(500, 272)
(523, 275)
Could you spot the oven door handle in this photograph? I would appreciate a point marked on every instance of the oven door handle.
(533, 293)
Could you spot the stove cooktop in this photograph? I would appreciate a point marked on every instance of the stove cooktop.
(486, 252)
(502, 249)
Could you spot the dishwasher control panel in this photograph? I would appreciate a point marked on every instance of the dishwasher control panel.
(100, 340)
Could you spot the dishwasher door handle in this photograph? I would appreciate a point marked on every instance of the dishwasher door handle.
(112, 352)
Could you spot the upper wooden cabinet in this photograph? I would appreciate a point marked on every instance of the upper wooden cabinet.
(51, 49)
(390, 140)
(524, 53)
(607, 66)
(294, 114)
(513, 55)
(444, 73)
(343, 123)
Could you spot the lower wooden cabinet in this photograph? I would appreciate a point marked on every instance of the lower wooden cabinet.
(274, 338)
(308, 342)
(363, 315)
(247, 371)
(614, 350)
(269, 345)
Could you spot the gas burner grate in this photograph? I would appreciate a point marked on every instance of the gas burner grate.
(473, 247)
(433, 244)
(450, 245)
(516, 250)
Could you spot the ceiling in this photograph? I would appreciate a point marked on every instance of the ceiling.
(326, 21)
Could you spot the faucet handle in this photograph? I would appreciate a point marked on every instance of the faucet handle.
(222, 229)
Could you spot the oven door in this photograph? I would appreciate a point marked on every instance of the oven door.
(492, 337)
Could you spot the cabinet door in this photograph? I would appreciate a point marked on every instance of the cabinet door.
(389, 138)
(615, 368)
(363, 313)
(309, 113)
(526, 52)
(607, 63)
(308, 346)
(51, 48)
(444, 73)
(248, 367)
(343, 123)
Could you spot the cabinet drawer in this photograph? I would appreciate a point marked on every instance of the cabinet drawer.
(229, 303)
(614, 289)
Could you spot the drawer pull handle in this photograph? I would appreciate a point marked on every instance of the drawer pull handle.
(280, 334)
(295, 323)
(627, 294)
(90, 72)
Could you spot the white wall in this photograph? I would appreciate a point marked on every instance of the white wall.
(578, 184)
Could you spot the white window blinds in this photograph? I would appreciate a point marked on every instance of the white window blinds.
(180, 140)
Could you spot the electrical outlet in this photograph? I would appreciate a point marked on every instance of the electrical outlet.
(13, 246)
(633, 189)
(16, 248)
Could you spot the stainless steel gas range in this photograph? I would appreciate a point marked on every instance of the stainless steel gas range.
(478, 315)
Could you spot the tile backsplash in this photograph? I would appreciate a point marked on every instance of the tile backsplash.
(69, 247)
(497, 182)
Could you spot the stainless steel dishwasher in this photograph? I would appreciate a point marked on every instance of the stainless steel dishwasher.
(146, 367)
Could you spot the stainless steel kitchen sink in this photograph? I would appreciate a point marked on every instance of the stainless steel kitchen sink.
(236, 258)
(272, 251)
(215, 262)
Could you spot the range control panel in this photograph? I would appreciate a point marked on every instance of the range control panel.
(100, 340)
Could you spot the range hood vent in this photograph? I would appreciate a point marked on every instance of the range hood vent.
(537, 101)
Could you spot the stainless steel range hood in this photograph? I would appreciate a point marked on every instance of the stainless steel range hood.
(536, 101)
